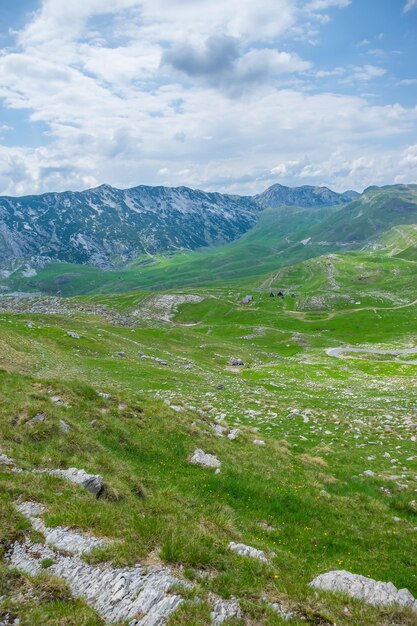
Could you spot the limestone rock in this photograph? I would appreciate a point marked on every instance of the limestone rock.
(259, 442)
(200, 457)
(92, 482)
(244, 550)
(234, 434)
(224, 610)
(366, 589)
(118, 595)
(73, 335)
(279, 610)
(59, 537)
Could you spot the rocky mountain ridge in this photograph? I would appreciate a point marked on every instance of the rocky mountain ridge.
(106, 226)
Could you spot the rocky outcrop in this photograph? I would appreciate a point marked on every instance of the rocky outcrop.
(366, 589)
(117, 594)
(92, 482)
(224, 610)
(236, 362)
(58, 537)
(244, 550)
(200, 457)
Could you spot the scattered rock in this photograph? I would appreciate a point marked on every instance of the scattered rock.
(218, 429)
(236, 362)
(73, 335)
(366, 589)
(279, 610)
(37, 419)
(57, 400)
(224, 610)
(64, 427)
(200, 457)
(104, 395)
(59, 537)
(244, 550)
(259, 442)
(234, 434)
(92, 482)
(121, 354)
(118, 595)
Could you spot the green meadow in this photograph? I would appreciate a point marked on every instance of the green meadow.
(303, 497)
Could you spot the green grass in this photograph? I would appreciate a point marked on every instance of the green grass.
(261, 250)
(306, 482)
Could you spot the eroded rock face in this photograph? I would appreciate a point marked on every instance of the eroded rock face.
(200, 457)
(244, 550)
(366, 589)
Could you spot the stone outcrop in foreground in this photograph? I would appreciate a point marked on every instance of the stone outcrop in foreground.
(140, 595)
(366, 589)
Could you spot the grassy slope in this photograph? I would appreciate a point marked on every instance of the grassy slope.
(306, 482)
(260, 250)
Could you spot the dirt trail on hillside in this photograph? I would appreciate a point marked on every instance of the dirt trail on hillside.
(330, 315)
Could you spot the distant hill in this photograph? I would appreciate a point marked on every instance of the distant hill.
(377, 210)
(306, 196)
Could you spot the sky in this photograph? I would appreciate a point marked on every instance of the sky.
(220, 95)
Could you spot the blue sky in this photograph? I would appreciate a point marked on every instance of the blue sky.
(230, 96)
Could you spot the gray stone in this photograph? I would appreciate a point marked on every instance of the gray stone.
(224, 610)
(104, 395)
(6, 461)
(244, 550)
(259, 442)
(73, 335)
(118, 595)
(37, 419)
(59, 537)
(200, 457)
(218, 429)
(234, 434)
(64, 427)
(236, 362)
(279, 610)
(92, 482)
(366, 589)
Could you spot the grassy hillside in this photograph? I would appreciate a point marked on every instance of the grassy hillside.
(377, 210)
(274, 241)
(303, 497)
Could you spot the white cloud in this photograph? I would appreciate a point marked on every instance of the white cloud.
(322, 5)
(410, 4)
(144, 96)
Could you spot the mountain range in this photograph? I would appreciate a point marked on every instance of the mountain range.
(162, 238)
(105, 226)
